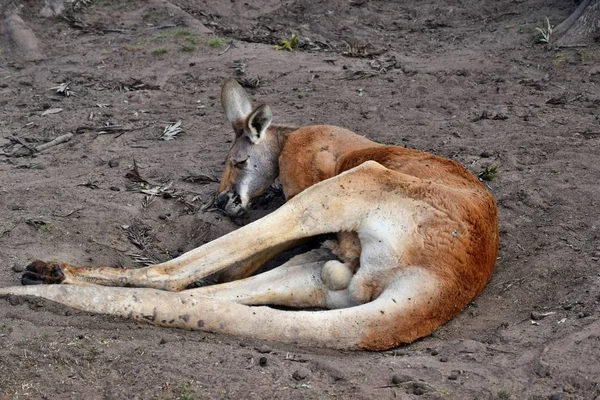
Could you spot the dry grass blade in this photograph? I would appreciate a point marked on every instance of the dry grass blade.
(136, 84)
(26, 149)
(148, 200)
(384, 65)
(144, 258)
(138, 235)
(30, 166)
(14, 140)
(358, 50)
(157, 190)
(92, 184)
(141, 185)
(112, 128)
(562, 99)
(35, 222)
(251, 83)
(210, 207)
(51, 111)
(134, 174)
(356, 75)
(239, 67)
(73, 21)
(79, 4)
(315, 45)
(190, 207)
(201, 178)
(64, 89)
(171, 131)
(200, 233)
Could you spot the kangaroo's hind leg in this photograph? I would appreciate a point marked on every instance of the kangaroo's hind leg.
(337, 204)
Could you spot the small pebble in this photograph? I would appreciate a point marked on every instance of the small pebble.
(113, 163)
(264, 349)
(115, 189)
(435, 352)
(453, 377)
(262, 361)
(418, 391)
(300, 374)
(444, 359)
(485, 154)
(162, 216)
(162, 341)
(554, 396)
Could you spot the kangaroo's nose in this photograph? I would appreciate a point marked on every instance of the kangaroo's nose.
(222, 200)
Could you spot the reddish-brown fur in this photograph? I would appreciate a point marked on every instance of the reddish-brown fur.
(313, 154)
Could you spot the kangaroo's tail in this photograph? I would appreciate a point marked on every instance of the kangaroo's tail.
(406, 310)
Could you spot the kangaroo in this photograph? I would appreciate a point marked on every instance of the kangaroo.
(417, 240)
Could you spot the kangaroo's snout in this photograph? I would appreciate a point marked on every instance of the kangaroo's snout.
(230, 203)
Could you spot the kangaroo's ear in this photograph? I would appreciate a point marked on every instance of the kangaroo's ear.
(236, 104)
(258, 122)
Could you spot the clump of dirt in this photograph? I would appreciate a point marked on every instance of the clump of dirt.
(464, 80)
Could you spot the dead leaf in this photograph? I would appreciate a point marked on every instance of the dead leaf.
(51, 111)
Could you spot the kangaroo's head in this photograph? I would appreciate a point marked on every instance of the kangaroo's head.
(252, 162)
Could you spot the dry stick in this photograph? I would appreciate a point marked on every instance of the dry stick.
(58, 140)
(564, 26)
(22, 143)
(41, 147)
(225, 51)
(571, 46)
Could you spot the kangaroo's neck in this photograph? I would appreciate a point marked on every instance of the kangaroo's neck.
(281, 132)
(310, 154)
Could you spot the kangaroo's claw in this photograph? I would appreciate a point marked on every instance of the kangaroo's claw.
(39, 272)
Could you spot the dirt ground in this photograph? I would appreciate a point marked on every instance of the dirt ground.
(461, 78)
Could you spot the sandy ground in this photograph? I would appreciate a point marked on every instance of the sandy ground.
(462, 79)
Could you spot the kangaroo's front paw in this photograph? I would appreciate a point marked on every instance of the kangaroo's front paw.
(39, 272)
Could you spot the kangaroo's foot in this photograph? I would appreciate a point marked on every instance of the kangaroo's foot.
(40, 272)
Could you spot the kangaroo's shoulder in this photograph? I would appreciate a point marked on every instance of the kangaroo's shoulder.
(311, 154)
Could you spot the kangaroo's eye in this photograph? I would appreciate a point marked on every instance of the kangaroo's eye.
(239, 163)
